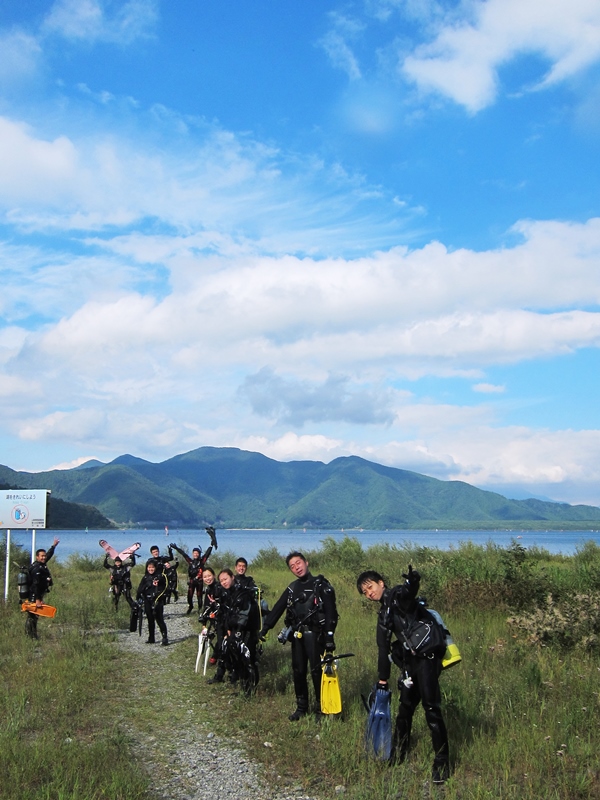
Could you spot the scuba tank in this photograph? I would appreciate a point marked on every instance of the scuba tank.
(23, 583)
(452, 655)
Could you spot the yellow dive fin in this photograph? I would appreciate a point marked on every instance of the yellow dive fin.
(331, 699)
(41, 611)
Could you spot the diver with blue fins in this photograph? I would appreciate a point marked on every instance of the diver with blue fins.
(419, 682)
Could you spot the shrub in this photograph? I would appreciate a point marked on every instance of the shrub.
(525, 582)
(573, 623)
(85, 563)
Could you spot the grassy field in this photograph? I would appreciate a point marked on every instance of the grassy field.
(521, 708)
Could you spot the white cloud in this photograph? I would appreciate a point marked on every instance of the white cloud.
(76, 462)
(292, 447)
(208, 180)
(488, 388)
(32, 169)
(395, 314)
(340, 54)
(21, 55)
(92, 20)
(463, 60)
(562, 464)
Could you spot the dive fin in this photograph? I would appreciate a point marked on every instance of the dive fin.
(201, 639)
(213, 536)
(327, 659)
(129, 551)
(331, 699)
(41, 611)
(111, 552)
(134, 617)
(206, 655)
(378, 739)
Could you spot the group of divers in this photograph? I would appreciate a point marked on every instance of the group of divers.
(235, 620)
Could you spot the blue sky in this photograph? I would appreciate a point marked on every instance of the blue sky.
(308, 229)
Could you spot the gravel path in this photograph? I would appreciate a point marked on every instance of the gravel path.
(188, 761)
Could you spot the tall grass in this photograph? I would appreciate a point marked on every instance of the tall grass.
(521, 715)
(60, 737)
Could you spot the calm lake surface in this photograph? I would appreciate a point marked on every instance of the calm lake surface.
(247, 543)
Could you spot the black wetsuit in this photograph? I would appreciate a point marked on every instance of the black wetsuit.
(310, 607)
(195, 568)
(419, 682)
(172, 577)
(247, 581)
(120, 579)
(152, 593)
(240, 623)
(213, 618)
(160, 562)
(40, 582)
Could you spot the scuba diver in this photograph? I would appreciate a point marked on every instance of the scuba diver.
(172, 577)
(120, 578)
(196, 564)
(211, 617)
(311, 619)
(40, 582)
(237, 619)
(419, 681)
(152, 594)
(160, 562)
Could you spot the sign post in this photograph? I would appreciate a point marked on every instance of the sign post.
(21, 509)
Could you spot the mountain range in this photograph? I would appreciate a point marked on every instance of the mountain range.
(231, 488)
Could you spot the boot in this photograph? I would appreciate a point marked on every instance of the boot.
(150, 640)
(440, 772)
(165, 641)
(298, 714)
(31, 627)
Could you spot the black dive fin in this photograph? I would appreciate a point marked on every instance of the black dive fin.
(213, 536)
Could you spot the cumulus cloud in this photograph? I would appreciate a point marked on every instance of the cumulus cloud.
(398, 313)
(463, 59)
(562, 464)
(295, 402)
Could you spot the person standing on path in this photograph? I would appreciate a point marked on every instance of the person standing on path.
(152, 593)
(195, 563)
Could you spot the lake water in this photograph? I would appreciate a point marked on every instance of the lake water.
(247, 543)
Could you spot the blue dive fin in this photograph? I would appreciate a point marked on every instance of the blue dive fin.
(379, 726)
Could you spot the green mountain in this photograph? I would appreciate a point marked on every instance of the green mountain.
(232, 488)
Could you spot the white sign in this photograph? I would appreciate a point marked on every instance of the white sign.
(23, 508)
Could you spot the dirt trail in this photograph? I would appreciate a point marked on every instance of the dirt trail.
(186, 759)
